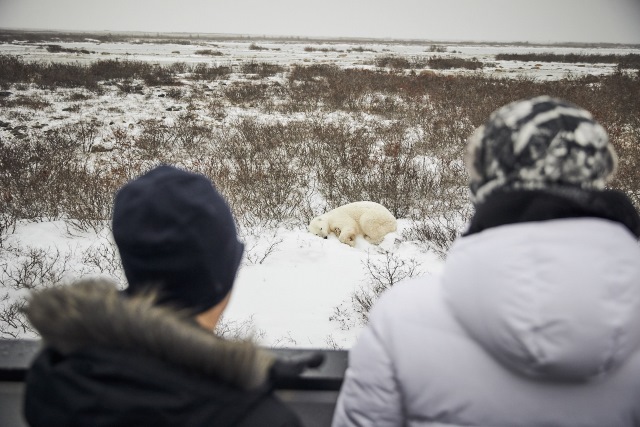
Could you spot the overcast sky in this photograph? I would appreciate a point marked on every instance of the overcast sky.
(616, 21)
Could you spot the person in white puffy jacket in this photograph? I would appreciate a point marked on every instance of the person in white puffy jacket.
(535, 319)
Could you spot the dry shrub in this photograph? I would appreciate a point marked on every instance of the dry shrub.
(34, 268)
(33, 102)
(631, 60)
(104, 259)
(626, 140)
(255, 167)
(52, 74)
(239, 330)
(179, 67)
(88, 203)
(207, 72)
(13, 69)
(377, 163)
(13, 323)
(46, 179)
(262, 69)
(320, 49)
(23, 270)
(36, 173)
(175, 93)
(386, 106)
(342, 155)
(393, 62)
(381, 275)
(439, 63)
(156, 138)
(360, 49)
(191, 133)
(209, 52)
(404, 151)
(439, 223)
(400, 62)
(247, 92)
(83, 133)
(312, 72)
(254, 46)
(161, 76)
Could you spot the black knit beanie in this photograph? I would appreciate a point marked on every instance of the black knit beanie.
(175, 233)
(536, 144)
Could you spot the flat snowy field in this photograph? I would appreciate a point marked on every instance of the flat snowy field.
(293, 289)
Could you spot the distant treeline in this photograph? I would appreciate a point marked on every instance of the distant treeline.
(631, 60)
(44, 36)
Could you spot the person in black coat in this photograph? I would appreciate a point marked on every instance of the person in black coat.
(147, 356)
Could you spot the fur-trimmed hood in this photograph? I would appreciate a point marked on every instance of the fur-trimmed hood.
(95, 313)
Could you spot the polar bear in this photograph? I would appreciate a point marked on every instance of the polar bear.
(368, 219)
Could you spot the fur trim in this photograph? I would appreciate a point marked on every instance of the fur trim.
(94, 313)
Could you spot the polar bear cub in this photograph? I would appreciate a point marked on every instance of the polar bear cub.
(368, 219)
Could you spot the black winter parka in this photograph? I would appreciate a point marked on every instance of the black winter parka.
(111, 360)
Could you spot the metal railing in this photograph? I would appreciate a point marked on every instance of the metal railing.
(312, 395)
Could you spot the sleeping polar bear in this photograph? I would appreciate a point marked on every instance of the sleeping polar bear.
(368, 219)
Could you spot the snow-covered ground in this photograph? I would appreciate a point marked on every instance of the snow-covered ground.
(288, 288)
(341, 54)
(294, 289)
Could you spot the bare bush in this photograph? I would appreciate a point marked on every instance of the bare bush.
(32, 102)
(34, 268)
(437, 48)
(393, 62)
(260, 243)
(262, 69)
(88, 203)
(626, 140)
(400, 62)
(256, 169)
(449, 63)
(175, 93)
(247, 92)
(36, 171)
(208, 52)
(360, 49)
(53, 74)
(13, 322)
(377, 164)
(156, 138)
(239, 330)
(207, 72)
(439, 229)
(331, 343)
(104, 259)
(631, 60)
(84, 133)
(254, 46)
(320, 49)
(285, 341)
(191, 133)
(216, 109)
(381, 276)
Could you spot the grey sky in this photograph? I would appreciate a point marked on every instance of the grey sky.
(616, 21)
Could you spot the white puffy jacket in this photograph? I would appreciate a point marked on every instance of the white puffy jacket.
(531, 324)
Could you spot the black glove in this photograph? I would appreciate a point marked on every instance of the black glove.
(285, 370)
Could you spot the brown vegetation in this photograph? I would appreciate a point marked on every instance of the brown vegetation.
(406, 156)
(631, 60)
